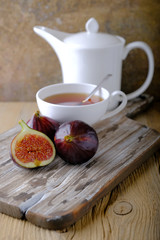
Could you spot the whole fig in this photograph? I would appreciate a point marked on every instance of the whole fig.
(31, 148)
(43, 124)
(76, 142)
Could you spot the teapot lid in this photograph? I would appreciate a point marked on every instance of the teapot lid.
(91, 38)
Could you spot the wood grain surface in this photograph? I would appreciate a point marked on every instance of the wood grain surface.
(141, 190)
(58, 195)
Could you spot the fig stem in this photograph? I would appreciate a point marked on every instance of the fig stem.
(23, 125)
(37, 113)
(68, 138)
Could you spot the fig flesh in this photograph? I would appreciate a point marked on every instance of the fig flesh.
(43, 124)
(31, 148)
(76, 142)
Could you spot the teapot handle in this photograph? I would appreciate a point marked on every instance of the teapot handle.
(116, 96)
(148, 51)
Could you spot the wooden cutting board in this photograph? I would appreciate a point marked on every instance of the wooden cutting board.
(56, 196)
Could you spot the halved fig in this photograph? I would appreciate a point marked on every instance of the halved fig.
(31, 148)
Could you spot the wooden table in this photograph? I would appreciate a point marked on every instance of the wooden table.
(130, 211)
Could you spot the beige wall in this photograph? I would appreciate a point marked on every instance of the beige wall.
(28, 63)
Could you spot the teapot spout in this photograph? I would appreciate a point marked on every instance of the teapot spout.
(53, 37)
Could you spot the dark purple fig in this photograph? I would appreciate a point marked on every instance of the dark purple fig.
(76, 142)
(43, 124)
(31, 148)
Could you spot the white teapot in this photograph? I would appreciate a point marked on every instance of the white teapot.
(87, 57)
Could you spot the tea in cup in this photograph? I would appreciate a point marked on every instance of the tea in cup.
(63, 102)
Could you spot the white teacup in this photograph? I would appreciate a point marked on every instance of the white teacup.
(90, 114)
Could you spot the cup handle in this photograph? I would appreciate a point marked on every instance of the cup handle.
(148, 51)
(116, 96)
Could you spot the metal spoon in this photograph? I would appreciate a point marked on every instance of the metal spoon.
(96, 88)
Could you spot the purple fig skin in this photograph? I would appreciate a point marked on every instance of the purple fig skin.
(43, 124)
(76, 142)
